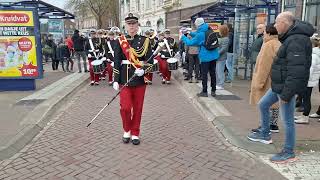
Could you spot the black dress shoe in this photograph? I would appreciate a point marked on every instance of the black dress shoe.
(135, 141)
(125, 140)
(213, 93)
(186, 78)
(202, 94)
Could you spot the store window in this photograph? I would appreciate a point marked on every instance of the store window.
(290, 5)
(313, 13)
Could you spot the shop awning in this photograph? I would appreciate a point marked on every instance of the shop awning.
(45, 10)
(226, 9)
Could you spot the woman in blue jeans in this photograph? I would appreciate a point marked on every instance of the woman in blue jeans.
(223, 50)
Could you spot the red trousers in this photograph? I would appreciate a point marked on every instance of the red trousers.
(109, 71)
(93, 77)
(131, 105)
(163, 67)
(149, 76)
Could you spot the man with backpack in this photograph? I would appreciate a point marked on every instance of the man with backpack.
(207, 41)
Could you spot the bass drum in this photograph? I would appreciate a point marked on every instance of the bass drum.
(172, 64)
(97, 66)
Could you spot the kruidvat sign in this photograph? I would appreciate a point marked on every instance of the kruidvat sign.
(19, 57)
(14, 18)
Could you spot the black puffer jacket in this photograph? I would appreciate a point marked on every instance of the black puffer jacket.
(290, 69)
(78, 42)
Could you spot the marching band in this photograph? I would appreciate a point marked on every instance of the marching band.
(130, 61)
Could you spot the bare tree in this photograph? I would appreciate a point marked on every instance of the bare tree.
(102, 10)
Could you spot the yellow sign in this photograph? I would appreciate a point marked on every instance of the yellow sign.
(215, 26)
(18, 55)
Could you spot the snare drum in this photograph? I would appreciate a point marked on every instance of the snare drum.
(105, 62)
(172, 64)
(155, 66)
(97, 66)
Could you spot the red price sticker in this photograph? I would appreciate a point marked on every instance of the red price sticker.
(25, 44)
(29, 70)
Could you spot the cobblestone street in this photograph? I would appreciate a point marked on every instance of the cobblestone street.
(176, 143)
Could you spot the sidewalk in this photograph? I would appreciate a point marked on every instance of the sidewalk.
(23, 113)
(236, 117)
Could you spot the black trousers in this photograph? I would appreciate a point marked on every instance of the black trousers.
(55, 64)
(193, 65)
(306, 101)
(211, 68)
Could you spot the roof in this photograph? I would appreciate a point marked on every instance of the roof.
(45, 10)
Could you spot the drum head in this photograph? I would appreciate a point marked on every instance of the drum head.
(96, 62)
(172, 60)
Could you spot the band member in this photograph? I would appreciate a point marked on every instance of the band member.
(131, 54)
(165, 54)
(152, 43)
(92, 54)
(109, 49)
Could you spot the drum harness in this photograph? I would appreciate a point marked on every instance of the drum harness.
(160, 46)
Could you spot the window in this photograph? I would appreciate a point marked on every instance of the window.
(148, 4)
(148, 24)
(138, 5)
(313, 13)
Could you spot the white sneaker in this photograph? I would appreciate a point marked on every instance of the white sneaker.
(302, 120)
(315, 115)
(103, 78)
(168, 82)
(219, 88)
(127, 134)
(92, 83)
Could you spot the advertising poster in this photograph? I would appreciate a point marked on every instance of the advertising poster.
(215, 26)
(56, 28)
(18, 54)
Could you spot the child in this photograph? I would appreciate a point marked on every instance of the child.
(313, 82)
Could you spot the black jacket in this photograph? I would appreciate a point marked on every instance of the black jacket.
(230, 46)
(62, 52)
(78, 42)
(291, 66)
(123, 72)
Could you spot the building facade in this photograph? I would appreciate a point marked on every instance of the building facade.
(307, 10)
(151, 13)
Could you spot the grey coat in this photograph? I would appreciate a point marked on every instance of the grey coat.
(255, 48)
(223, 48)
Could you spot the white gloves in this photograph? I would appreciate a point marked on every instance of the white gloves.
(89, 56)
(115, 86)
(108, 60)
(139, 72)
(163, 56)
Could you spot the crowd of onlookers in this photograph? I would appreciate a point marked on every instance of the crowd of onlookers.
(65, 51)
(285, 67)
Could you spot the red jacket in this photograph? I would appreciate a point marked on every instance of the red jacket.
(69, 43)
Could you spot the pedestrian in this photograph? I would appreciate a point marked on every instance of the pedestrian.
(207, 57)
(223, 49)
(125, 66)
(53, 52)
(64, 54)
(313, 82)
(261, 80)
(79, 48)
(289, 76)
(229, 62)
(256, 46)
(69, 61)
(194, 64)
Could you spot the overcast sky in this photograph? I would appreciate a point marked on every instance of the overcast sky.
(59, 3)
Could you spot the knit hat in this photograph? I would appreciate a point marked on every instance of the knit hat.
(199, 21)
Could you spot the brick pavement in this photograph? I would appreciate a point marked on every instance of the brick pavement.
(176, 143)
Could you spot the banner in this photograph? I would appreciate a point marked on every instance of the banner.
(18, 51)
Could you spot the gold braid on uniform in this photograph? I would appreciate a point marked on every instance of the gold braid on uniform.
(135, 54)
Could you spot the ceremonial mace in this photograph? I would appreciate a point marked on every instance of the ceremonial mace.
(160, 46)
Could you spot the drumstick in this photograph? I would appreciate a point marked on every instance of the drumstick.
(126, 84)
